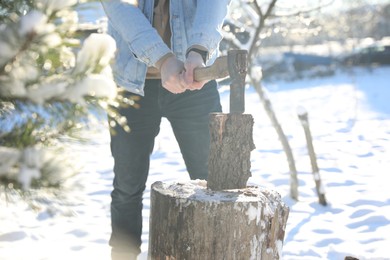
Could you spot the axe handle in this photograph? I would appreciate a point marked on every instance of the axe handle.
(205, 74)
(216, 71)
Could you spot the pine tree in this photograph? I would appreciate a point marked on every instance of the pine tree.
(49, 82)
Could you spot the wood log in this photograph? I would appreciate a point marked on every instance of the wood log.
(189, 221)
(230, 148)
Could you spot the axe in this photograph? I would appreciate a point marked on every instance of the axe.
(233, 65)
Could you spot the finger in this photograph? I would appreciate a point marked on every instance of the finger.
(181, 89)
(175, 84)
(189, 75)
(197, 85)
(177, 87)
(173, 88)
(182, 80)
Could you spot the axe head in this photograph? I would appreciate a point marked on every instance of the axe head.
(237, 63)
(234, 65)
(237, 66)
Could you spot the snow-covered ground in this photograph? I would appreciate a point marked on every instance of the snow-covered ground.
(350, 122)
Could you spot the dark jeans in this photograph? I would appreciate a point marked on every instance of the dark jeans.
(188, 114)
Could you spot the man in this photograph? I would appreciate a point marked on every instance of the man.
(159, 44)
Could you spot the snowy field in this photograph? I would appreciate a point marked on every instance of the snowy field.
(350, 122)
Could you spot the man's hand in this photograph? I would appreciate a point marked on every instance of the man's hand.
(194, 60)
(171, 78)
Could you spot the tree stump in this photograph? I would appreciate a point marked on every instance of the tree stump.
(230, 148)
(189, 221)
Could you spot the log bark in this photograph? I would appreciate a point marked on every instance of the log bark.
(230, 148)
(189, 221)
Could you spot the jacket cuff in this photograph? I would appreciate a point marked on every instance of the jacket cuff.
(209, 42)
(200, 50)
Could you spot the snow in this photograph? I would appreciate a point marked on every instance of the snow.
(97, 49)
(34, 21)
(301, 111)
(349, 116)
(253, 213)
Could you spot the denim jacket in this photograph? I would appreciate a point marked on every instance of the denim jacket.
(193, 22)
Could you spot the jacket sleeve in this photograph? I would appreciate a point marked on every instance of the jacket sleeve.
(134, 27)
(208, 22)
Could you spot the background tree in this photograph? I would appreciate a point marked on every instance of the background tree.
(256, 25)
(260, 20)
(331, 22)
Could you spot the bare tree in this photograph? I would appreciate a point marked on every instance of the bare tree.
(255, 22)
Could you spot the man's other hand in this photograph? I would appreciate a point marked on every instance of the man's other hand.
(171, 78)
(194, 60)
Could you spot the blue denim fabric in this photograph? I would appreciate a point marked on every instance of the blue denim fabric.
(193, 22)
(188, 114)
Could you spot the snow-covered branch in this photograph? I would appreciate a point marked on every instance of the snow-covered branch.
(43, 65)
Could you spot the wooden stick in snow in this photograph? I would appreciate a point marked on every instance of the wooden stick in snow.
(303, 117)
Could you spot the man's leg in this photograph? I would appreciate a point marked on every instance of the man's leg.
(189, 116)
(131, 152)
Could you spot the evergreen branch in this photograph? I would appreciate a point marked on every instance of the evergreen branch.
(24, 47)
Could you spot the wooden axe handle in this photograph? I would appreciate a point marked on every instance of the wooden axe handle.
(218, 70)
